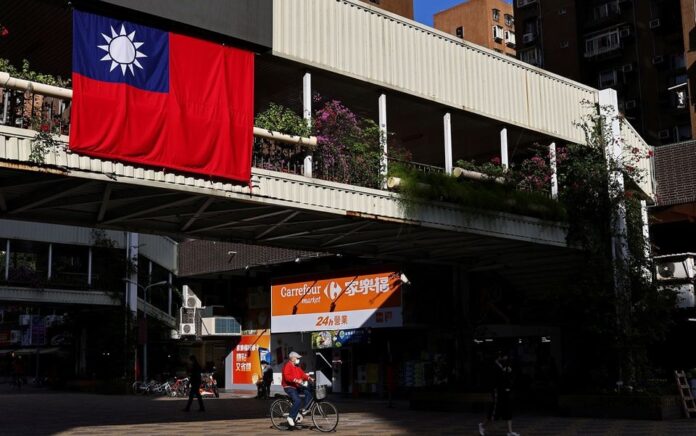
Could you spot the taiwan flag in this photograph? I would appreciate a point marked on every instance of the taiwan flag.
(156, 98)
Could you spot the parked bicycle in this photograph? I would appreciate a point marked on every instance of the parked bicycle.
(324, 414)
(180, 387)
(153, 387)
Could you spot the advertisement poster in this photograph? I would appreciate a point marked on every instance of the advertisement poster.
(338, 338)
(253, 347)
(349, 302)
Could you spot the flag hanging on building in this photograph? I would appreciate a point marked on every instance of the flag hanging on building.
(157, 98)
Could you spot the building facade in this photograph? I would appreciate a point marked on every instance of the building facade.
(636, 48)
(399, 7)
(489, 23)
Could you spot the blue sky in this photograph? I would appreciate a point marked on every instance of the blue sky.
(424, 9)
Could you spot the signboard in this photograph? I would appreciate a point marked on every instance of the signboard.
(349, 302)
(253, 347)
(338, 338)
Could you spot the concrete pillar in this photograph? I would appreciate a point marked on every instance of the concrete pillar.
(554, 170)
(132, 284)
(447, 121)
(504, 148)
(307, 115)
(384, 165)
(50, 261)
(89, 266)
(7, 260)
(169, 294)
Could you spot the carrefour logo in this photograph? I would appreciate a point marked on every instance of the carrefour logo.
(332, 290)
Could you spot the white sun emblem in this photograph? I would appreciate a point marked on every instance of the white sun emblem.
(122, 50)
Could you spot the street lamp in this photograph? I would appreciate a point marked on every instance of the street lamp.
(145, 289)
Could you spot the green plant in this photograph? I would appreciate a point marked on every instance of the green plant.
(45, 141)
(26, 73)
(277, 118)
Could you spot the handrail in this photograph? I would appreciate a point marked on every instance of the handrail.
(7, 81)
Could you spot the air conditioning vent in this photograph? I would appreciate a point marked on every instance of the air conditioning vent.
(191, 301)
(654, 24)
(672, 268)
(528, 37)
(188, 329)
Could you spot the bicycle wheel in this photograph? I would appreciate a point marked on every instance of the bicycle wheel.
(325, 416)
(138, 387)
(280, 409)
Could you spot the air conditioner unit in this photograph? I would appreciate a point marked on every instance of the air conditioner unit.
(663, 134)
(221, 326)
(630, 104)
(187, 329)
(686, 298)
(654, 24)
(656, 60)
(528, 37)
(191, 301)
(15, 336)
(627, 68)
(675, 267)
(175, 334)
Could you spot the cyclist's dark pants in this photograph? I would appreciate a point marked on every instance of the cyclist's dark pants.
(195, 392)
(294, 394)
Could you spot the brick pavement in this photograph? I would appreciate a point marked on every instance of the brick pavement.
(34, 412)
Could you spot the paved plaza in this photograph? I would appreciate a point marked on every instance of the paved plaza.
(34, 412)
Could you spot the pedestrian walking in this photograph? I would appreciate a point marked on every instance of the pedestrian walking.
(195, 385)
(264, 384)
(501, 408)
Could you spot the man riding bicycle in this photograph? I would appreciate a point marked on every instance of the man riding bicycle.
(293, 384)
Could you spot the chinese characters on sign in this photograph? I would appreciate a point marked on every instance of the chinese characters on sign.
(350, 302)
(247, 355)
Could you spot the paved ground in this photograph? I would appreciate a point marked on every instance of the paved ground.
(34, 412)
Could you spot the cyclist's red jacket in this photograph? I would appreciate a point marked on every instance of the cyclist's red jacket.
(291, 372)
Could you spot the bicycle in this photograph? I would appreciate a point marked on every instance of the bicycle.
(324, 414)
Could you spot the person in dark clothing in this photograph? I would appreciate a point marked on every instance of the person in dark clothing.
(502, 395)
(195, 385)
(266, 381)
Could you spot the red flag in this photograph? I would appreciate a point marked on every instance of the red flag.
(161, 99)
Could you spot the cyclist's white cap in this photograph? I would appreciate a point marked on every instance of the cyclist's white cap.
(294, 354)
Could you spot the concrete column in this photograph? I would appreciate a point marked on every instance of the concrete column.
(5, 105)
(50, 261)
(504, 148)
(554, 170)
(7, 260)
(307, 115)
(447, 121)
(89, 266)
(609, 107)
(384, 165)
(169, 294)
(131, 285)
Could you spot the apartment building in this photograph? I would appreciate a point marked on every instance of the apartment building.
(634, 47)
(489, 23)
(399, 7)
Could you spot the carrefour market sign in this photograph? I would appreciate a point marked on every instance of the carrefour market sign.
(350, 302)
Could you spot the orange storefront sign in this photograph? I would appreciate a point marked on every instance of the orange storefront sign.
(351, 301)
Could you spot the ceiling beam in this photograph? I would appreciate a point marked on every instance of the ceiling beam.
(198, 213)
(275, 226)
(151, 209)
(42, 197)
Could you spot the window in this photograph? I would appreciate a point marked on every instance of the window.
(530, 26)
(459, 32)
(509, 20)
(606, 10)
(565, 44)
(562, 11)
(607, 79)
(532, 56)
(510, 38)
(604, 43)
(496, 14)
(498, 33)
